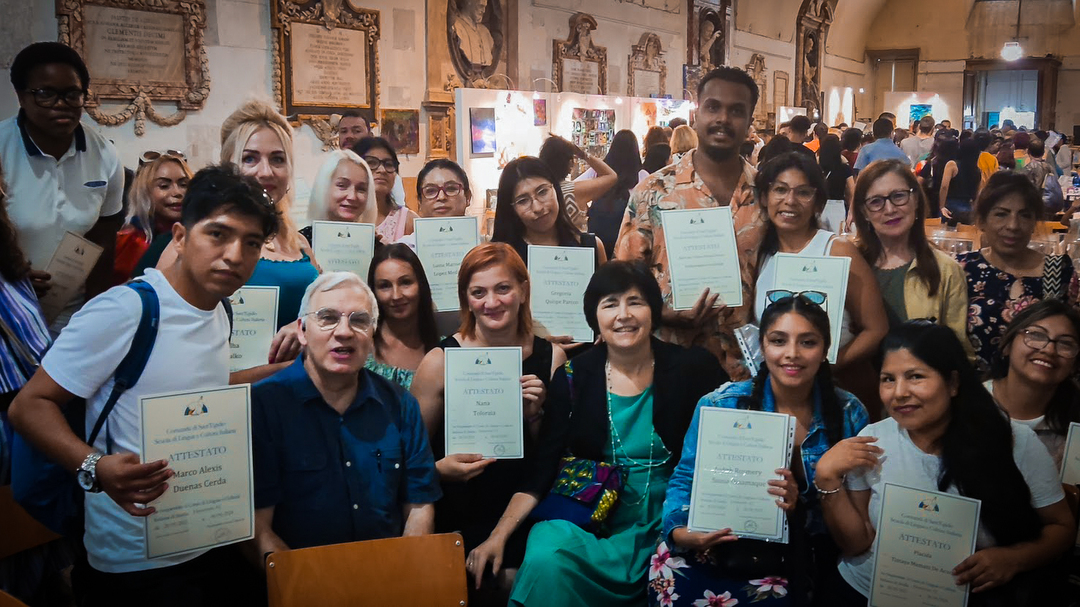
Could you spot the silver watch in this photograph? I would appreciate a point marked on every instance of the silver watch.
(87, 473)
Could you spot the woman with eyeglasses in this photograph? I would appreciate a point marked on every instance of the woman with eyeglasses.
(916, 279)
(153, 207)
(795, 380)
(341, 191)
(443, 190)
(394, 219)
(1034, 373)
(791, 191)
(945, 433)
(1006, 275)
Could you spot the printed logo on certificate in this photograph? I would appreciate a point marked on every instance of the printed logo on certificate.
(206, 438)
(254, 324)
(702, 254)
(341, 246)
(738, 452)
(558, 277)
(441, 244)
(71, 263)
(921, 537)
(821, 280)
(483, 407)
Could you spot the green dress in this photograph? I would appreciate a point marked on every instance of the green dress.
(566, 565)
(398, 375)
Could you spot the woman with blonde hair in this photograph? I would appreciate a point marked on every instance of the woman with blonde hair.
(342, 191)
(153, 207)
(683, 139)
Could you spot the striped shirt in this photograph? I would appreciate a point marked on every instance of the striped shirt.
(24, 336)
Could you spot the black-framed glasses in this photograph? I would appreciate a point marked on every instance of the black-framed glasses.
(450, 188)
(898, 198)
(48, 98)
(815, 297)
(374, 163)
(328, 319)
(803, 193)
(1066, 347)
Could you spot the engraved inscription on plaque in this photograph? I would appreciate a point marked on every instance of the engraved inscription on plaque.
(128, 44)
(328, 66)
(581, 76)
(646, 83)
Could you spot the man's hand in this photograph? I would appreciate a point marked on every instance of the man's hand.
(285, 346)
(41, 281)
(128, 482)
(460, 467)
(703, 312)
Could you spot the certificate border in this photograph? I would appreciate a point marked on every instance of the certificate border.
(273, 316)
(143, 401)
(46, 302)
(733, 251)
(782, 524)
(837, 327)
(366, 227)
(877, 534)
(1074, 434)
(576, 252)
(419, 221)
(446, 382)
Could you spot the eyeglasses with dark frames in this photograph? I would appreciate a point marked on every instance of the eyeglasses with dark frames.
(48, 98)
(899, 198)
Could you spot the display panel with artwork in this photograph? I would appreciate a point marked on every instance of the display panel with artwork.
(482, 129)
(918, 110)
(402, 129)
(592, 131)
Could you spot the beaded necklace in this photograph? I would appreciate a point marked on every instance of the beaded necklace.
(617, 440)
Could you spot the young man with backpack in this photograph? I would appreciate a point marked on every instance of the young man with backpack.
(224, 222)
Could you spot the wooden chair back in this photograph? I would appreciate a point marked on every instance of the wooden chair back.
(425, 571)
(21, 531)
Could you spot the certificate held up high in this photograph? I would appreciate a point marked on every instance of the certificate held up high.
(702, 254)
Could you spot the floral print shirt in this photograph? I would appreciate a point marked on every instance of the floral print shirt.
(995, 297)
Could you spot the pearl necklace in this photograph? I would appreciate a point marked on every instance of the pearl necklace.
(617, 440)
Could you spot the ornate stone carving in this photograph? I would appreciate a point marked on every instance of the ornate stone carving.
(578, 64)
(707, 33)
(756, 69)
(475, 34)
(815, 17)
(646, 60)
(441, 140)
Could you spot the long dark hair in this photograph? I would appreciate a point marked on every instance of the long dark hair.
(557, 153)
(1064, 405)
(425, 312)
(831, 412)
(868, 243)
(624, 158)
(13, 264)
(977, 446)
(508, 227)
(656, 157)
(767, 175)
(829, 154)
(967, 165)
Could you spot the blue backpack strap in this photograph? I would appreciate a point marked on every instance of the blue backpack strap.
(131, 367)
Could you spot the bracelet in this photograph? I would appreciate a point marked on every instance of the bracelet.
(829, 492)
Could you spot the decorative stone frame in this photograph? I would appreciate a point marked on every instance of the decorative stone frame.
(140, 95)
(637, 61)
(815, 17)
(576, 49)
(329, 14)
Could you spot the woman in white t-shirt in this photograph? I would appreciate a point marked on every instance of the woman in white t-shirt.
(946, 434)
(1033, 381)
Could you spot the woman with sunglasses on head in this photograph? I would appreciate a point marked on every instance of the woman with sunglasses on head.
(394, 219)
(946, 434)
(791, 193)
(341, 191)
(795, 380)
(153, 207)
(1006, 276)
(916, 279)
(1034, 373)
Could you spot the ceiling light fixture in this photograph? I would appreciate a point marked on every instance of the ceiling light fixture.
(1012, 50)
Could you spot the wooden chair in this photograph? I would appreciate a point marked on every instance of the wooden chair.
(426, 571)
(21, 531)
(6, 600)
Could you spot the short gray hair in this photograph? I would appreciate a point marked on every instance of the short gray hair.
(327, 281)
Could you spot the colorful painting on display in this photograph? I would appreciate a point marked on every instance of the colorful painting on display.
(402, 129)
(482, 129)
(918, 110)
(539, 112)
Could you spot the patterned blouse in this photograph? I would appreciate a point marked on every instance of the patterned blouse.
(995, 297)
(401, 377)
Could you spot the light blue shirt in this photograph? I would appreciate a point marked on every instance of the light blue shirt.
(881, 149)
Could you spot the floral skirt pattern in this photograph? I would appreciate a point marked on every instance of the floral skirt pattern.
(674, 581)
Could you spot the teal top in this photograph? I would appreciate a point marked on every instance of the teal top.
(291, 278)
(397, 375)
(892, 291)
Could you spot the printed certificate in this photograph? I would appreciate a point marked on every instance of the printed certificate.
(484, 411)
(558, 277)
(441, 244)
(921, 537)
(822, 279)
(254, 312)
(341, 246)
(206, 438)
(1070, 462)
(69, 267)
(738, 452)
(702, 254)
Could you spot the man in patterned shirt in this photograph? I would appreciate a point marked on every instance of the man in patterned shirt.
(713, 175)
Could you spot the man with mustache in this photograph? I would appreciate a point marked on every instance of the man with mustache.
(713, 175)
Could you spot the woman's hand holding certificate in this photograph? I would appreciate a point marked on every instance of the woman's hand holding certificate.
(484, 400)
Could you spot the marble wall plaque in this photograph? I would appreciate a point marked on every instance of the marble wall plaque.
(646, 83)
(329, 66)
(129, 44)
(581, 76)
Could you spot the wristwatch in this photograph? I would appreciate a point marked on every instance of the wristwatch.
(87, 473)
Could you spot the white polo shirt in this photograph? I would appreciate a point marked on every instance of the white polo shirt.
(47, 197)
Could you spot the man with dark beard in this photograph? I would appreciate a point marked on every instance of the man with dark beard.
(714, 175)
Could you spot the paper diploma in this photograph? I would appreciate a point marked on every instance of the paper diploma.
(818, 276)
(921, 537)
(1070, 462)
(441, 244)
(558, 276)
(483, 402)
(702, 254)
(70, 265)
(254, 326)
(341, 246)
(206, 438)
(738, 452)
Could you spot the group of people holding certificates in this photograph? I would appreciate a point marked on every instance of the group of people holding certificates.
(695, 422)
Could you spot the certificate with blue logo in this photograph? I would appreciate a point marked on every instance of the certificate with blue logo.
(921, 537)
(483, 407)
(558, 277)
(205, 436)
(70, 265)
(822, 280)
(1070, 461)
(341, 246)
(254, 324)
(738, 452)
(441, 244)
(702, 254)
